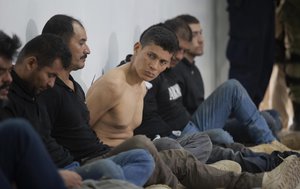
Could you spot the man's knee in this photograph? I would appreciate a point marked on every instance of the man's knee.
(219, 136)
(141, 141)
(233, 84)
(166, 143)
(199, 144)
(17, 127)
(140, 155)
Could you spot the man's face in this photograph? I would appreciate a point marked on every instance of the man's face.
(44, 78)
(197, 42)
(5, 77)
(184, 46)
(78, 47)
(150, 61)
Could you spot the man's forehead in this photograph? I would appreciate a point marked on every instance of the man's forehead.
(5, 63)
(161, 54)
(195, 27)
(156, 48)
(79, 32)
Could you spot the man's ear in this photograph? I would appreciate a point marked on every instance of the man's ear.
(31, 63)
(136, 46)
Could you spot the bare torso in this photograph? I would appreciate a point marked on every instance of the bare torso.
(124, 102)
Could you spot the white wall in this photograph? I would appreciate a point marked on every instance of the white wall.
(113, 26)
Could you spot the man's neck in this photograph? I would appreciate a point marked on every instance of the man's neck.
(131, 75)
(64, 75)
(20, 72)
(190, 58)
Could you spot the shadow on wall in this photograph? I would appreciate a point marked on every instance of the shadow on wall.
(31, 30)
(113, 53)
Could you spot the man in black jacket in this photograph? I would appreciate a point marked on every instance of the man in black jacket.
(21, 148)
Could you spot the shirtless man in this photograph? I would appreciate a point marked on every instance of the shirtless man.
(121, 92)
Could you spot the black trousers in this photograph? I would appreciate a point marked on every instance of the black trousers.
(250, 49)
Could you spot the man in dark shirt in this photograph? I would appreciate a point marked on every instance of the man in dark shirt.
(23, 94)
(229, 98)
(192, 88)
(21, 148)
(154, 123)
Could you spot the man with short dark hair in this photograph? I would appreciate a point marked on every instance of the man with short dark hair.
(23, 159)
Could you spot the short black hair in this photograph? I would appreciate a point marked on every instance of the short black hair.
(46, 48)
(160, 35)
(189, 19)
(180, 28)
(8, 45)
(61, 25)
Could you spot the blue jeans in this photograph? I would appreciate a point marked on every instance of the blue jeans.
(135, 166)
(217, 136)
(232, 99)
(235, 128)
(24, 159)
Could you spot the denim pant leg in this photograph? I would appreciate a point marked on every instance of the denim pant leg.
(232, 98)
(235, 127)
(24, 159)
(217, 136)
(102, 168)
(137, 165)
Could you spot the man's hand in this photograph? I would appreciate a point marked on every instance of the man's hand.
(71, 179)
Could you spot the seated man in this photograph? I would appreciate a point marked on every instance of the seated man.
(20, 148)
(228, 99)
(35, 70)
(115, 116)
(192, 88)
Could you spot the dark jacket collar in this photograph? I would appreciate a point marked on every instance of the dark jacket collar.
(21, 87)
(60, 83)
(187, 62)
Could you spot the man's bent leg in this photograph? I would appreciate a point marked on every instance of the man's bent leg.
(26, 160)
(193, 174)
(137, 165)
(250, 162)
(232, 98)
(102, 168)
(162, 173)
(199, 144)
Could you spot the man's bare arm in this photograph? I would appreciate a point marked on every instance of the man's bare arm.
(103, 95)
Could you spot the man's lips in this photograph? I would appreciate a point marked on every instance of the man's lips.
(150, 74)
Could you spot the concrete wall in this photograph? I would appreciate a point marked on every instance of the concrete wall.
(113, 26)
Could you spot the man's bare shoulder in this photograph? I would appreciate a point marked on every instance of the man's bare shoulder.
(113, 81)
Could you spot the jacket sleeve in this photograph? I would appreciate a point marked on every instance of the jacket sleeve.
(152, 124)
